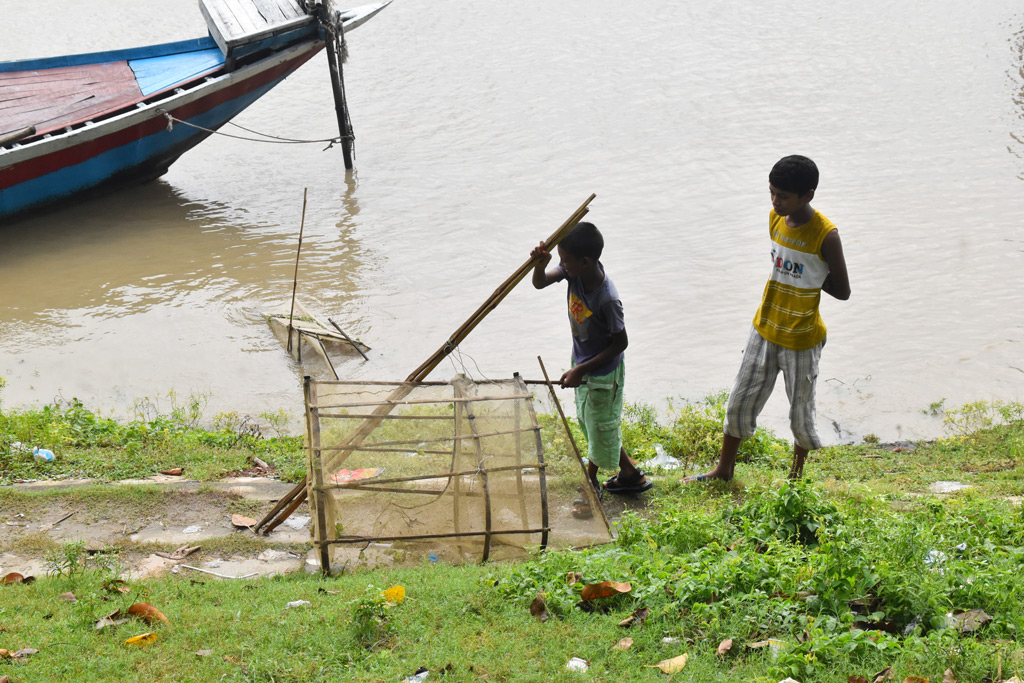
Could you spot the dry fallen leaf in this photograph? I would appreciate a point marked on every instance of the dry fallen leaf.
(24, 652)
(4, 653)
(204, 653)
(915, 679)
(671, 666)
(623, 644)
(243, 522)
(68, 597)
(572, 578)
(948, 677)
(883, 675)
(856, 679)
(141, 640)
(174, 471)
(724, 647)
(146, 612)
(593, 591)
(538, 608)
(4, 679)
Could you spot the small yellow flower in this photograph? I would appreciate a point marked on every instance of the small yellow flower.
(395, 595)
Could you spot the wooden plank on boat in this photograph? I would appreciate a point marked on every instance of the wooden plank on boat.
(271, 12)
(245, 15)
(237, 22)
(289, 8)
(53, 98)
(159, 73)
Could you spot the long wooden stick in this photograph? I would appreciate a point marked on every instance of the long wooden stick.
(295, 281)
(294, 498)
(591, 493)
(500, 293)
(348, 338)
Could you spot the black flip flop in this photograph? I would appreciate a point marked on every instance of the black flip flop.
(641, 484)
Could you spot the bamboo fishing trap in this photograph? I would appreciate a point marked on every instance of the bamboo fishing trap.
(448, 470)
(451, 471)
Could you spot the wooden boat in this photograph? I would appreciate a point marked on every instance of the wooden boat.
(75, 125)
(302, 332)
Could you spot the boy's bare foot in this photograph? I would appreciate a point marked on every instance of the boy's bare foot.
(708, 476)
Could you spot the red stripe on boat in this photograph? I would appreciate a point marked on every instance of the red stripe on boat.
(76, 154)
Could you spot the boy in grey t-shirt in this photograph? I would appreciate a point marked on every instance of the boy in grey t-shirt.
(598, 344)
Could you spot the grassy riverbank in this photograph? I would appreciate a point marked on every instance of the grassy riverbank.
(856, 569)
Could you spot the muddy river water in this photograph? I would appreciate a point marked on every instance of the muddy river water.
(481, 127)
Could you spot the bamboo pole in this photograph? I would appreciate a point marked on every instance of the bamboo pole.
(459, 387)
(335, 38)
(295, 280)
(290, 502)
(418, 537)
(591, 493)
(500, 293)
(348, 339)
(541, 473)
(361, 483)
(316, 468)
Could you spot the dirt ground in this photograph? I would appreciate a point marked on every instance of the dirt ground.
(179, 513)
(163, 514)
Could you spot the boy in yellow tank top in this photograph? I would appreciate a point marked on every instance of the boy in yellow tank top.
(788, 333)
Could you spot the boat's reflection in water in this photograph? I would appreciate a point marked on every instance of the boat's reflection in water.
(148, 290)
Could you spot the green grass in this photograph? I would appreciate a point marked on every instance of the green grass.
(88, 445)
(852, 570)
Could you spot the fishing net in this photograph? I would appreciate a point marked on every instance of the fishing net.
(451, 471)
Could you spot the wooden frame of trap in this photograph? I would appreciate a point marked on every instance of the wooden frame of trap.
(483, 441)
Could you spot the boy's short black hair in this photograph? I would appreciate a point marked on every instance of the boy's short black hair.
(584, 241)
(794, 173)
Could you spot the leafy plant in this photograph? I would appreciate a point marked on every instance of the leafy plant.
(372, 626)
(793, 512)
(68, 559)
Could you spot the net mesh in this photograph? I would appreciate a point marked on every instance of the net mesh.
(451, 471)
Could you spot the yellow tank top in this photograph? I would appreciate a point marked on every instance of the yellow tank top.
(788, 315)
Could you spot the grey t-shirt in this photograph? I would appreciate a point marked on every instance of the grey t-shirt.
(594, 317)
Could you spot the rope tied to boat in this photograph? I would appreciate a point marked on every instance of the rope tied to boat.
(264, 137)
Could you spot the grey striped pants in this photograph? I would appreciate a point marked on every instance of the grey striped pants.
(755, 381)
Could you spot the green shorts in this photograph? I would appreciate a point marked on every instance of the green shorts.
(599, 411)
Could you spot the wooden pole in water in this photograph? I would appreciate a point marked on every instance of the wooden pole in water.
(294, 498)
(295, 281)
(335, 58)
